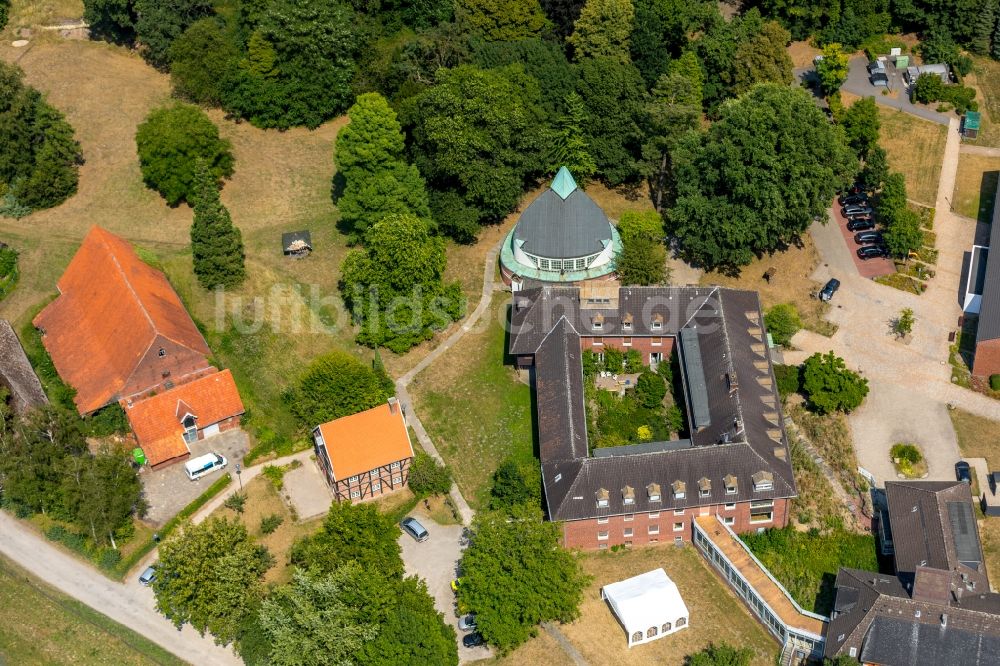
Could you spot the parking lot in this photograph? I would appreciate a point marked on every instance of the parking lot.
(168, 490)
(867, 268)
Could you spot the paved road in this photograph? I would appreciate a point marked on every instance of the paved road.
(858, 84)
(130, 605)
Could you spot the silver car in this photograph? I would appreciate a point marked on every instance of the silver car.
(413, 527)
(148, 576)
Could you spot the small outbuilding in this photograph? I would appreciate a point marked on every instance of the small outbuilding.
(296, 244)
(648, 606)
(970, 124)
(878, 75)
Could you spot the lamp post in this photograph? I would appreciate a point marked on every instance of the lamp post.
(239, 476)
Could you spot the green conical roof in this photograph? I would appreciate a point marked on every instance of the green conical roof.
(563, 184)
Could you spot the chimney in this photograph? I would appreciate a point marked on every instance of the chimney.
(944, 619)
(393, 405)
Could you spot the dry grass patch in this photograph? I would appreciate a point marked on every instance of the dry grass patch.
(791, 283)
(989, 533)
(44, 12)
(915, 148)
(976, 186)
(802, 54)
(985, 78)
(542, 649)
(978, 437)
(716, 613)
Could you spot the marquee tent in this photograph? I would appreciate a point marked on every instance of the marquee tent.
(648, 606)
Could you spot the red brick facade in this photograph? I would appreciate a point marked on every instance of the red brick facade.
(646, 345)
(373, 483)
(178, 364)
(987, 359)
(666, 526)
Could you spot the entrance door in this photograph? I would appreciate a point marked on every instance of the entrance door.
(190, 429)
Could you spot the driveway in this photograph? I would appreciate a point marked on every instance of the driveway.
(866, 268)
(859, 84)
(168, 490)
(308, 491)
(436, 561)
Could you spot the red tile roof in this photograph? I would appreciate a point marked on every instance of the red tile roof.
(156, 421)
(367, 440)
(110, 309)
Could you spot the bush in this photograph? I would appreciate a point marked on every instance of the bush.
(633, 361)
(237, 502)
(782, 322)
(906, 453)
(268, 524)
(428, 476)
(789, 379)
(830, 386)
(650, 389)
(274, 474)
(995, 382)
(338, 385)
(171, 141)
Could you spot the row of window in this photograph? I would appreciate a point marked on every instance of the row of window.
(653, 631)
(626, 342)
(375, 472)
(597, 324)
(376, 486)
(563, 264)
(629, 517)
(761, 483)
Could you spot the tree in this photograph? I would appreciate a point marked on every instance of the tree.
(833, 68)
(660, 34)
(902, 325)
(829, 386)
(995, 48)
(892, 197)
(337, 385)
(640, 224)
(171, 141)
(4, 13)
(113, 20)
(567, 143)
(757, 178)
(615, 97)
(516, 575)
(603, 30)
(985, 23)
(763, 59)
(394, 285)
(375, 177)
(543, 60)
(650, 389)
(428, 476)
(202, 59)
(309, 622)
(352, 533)
(722, 654)
(673, 110)
(411, 631)
(903, 233)
(103, 492)
(722, 46)
(159, 22)
(563, 14)
(501, 20)
(876, 168)
(477, 133)
(642, 261)
(515, 483)
(210, 576)
(782, 322)
(928, 88)
(216, 243)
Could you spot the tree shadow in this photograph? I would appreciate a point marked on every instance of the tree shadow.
(987, 196)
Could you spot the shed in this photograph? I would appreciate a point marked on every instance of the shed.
(938, 68)
(877, 73)
(648, 606)
(296, 244)
(970, 124)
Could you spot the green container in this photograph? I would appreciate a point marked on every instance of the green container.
(139, 457)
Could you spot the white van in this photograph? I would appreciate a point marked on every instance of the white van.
(202, 465)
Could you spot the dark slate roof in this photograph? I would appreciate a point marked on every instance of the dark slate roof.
(907, 641)
(977, 272)
(989, 312)
(744, 435)
(555, 228)
(932, 529)
(16, 373)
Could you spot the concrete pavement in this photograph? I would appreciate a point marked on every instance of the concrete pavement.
(858, 84)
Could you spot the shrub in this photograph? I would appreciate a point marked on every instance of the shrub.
(995, 382)
(337, 385)
(782, 323)
(650, 389)
(276, 475)
(109, 559)
(171, 141)
(830, 386)
(236, 502)
(633, 361)
(907, 453)
(789, 379)
(428, 476)
(614, 359)
(268, 524)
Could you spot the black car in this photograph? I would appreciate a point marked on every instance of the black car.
(868, 237)
(829, 289)
(962, 472)
(873, 251)
(861, 225)
(856, 210)
(473, 640)
(853, 199)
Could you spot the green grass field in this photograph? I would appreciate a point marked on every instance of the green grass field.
(915, 148)
(39, 625)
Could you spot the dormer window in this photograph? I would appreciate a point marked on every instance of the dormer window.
(628, 495)
(627, 322)
(657, 323)
(597, 323)
(653, 491)
(704, 487)
(602, 498)
(679, 488)
(731, 486)
(162, 352)
(763, 481)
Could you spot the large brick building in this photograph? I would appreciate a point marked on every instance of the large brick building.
(981, 301)
(734, 463)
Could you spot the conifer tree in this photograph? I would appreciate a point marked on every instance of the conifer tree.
(216, 244)
(986, 22)
(567, 143)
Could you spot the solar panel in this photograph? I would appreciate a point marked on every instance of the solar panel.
(694, 375)
(963, 529)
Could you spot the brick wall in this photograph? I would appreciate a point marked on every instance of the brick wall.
(364, 484)
(180, 363)
(644, 345)
(584, 534)
(987, 359)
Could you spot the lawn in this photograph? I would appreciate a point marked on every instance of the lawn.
(985, 78)
(716, 614)
(976, 186)
(47, 12)
(978, 437)
(39, 625)
(806, 563)
(791, 283)
(474, 407)
(915, 148)
(830, 434)
(989, 532)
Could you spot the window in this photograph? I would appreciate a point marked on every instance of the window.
(667, 627)
(653, 492)
(627, 325)
(602, 535)
(657, 342)
(681, 621)
(654, 529)
(762, 512)
(657, 324)
(728, 520)
(602, 498)
(626, 342)
(543, 264)
(397, 479)
(394, 465)
(679, 541)
(651, 632)
(679, 494)
(353, 479)
(598, 342)
(762, 486)
(602, 546)
(730, 506)
(355, 494)
(853, 651)
(602, 521)
(598, 324)
(629, 518)
(678, 527)
(581, 263)
(628, 531)
(678, 512)
(730, 483)
(162, 352)
(654, 514)
(377, 485)
(636, 637)
(602, 503)
(629, 500)
(705, 492)
(731, 490)
(557, 264)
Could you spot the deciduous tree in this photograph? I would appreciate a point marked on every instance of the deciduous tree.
(159, 22)
(501, 20)
(722, 654)
(674, 109)
(783, 322)
(642, 261)
(763, 59)
(829, 386)
(832, 70)
(428, 476)
(411, 630)
(113, 20)
(660, 33)
(103, 492)
(515, 483)
(603, 30)
(216, 243)
(902, 234)
(352, 533)
(202, 60)
(861, 123)
(209, 575)
(335, 385)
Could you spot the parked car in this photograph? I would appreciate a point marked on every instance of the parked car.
(202, 465)
(962, 472)
(413, 527)
(829, 289)
(853, 199)
(861, 225)
(468, 622)
(873, 251)
(148, 576)
(857, 210)
(859, 216)
(473, 640)
(455, 584)
(868, 237)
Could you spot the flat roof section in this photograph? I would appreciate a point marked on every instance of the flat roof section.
(694, 373)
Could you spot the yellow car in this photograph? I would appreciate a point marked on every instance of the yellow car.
(455, 584)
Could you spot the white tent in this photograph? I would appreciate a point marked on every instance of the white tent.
(648, 606)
